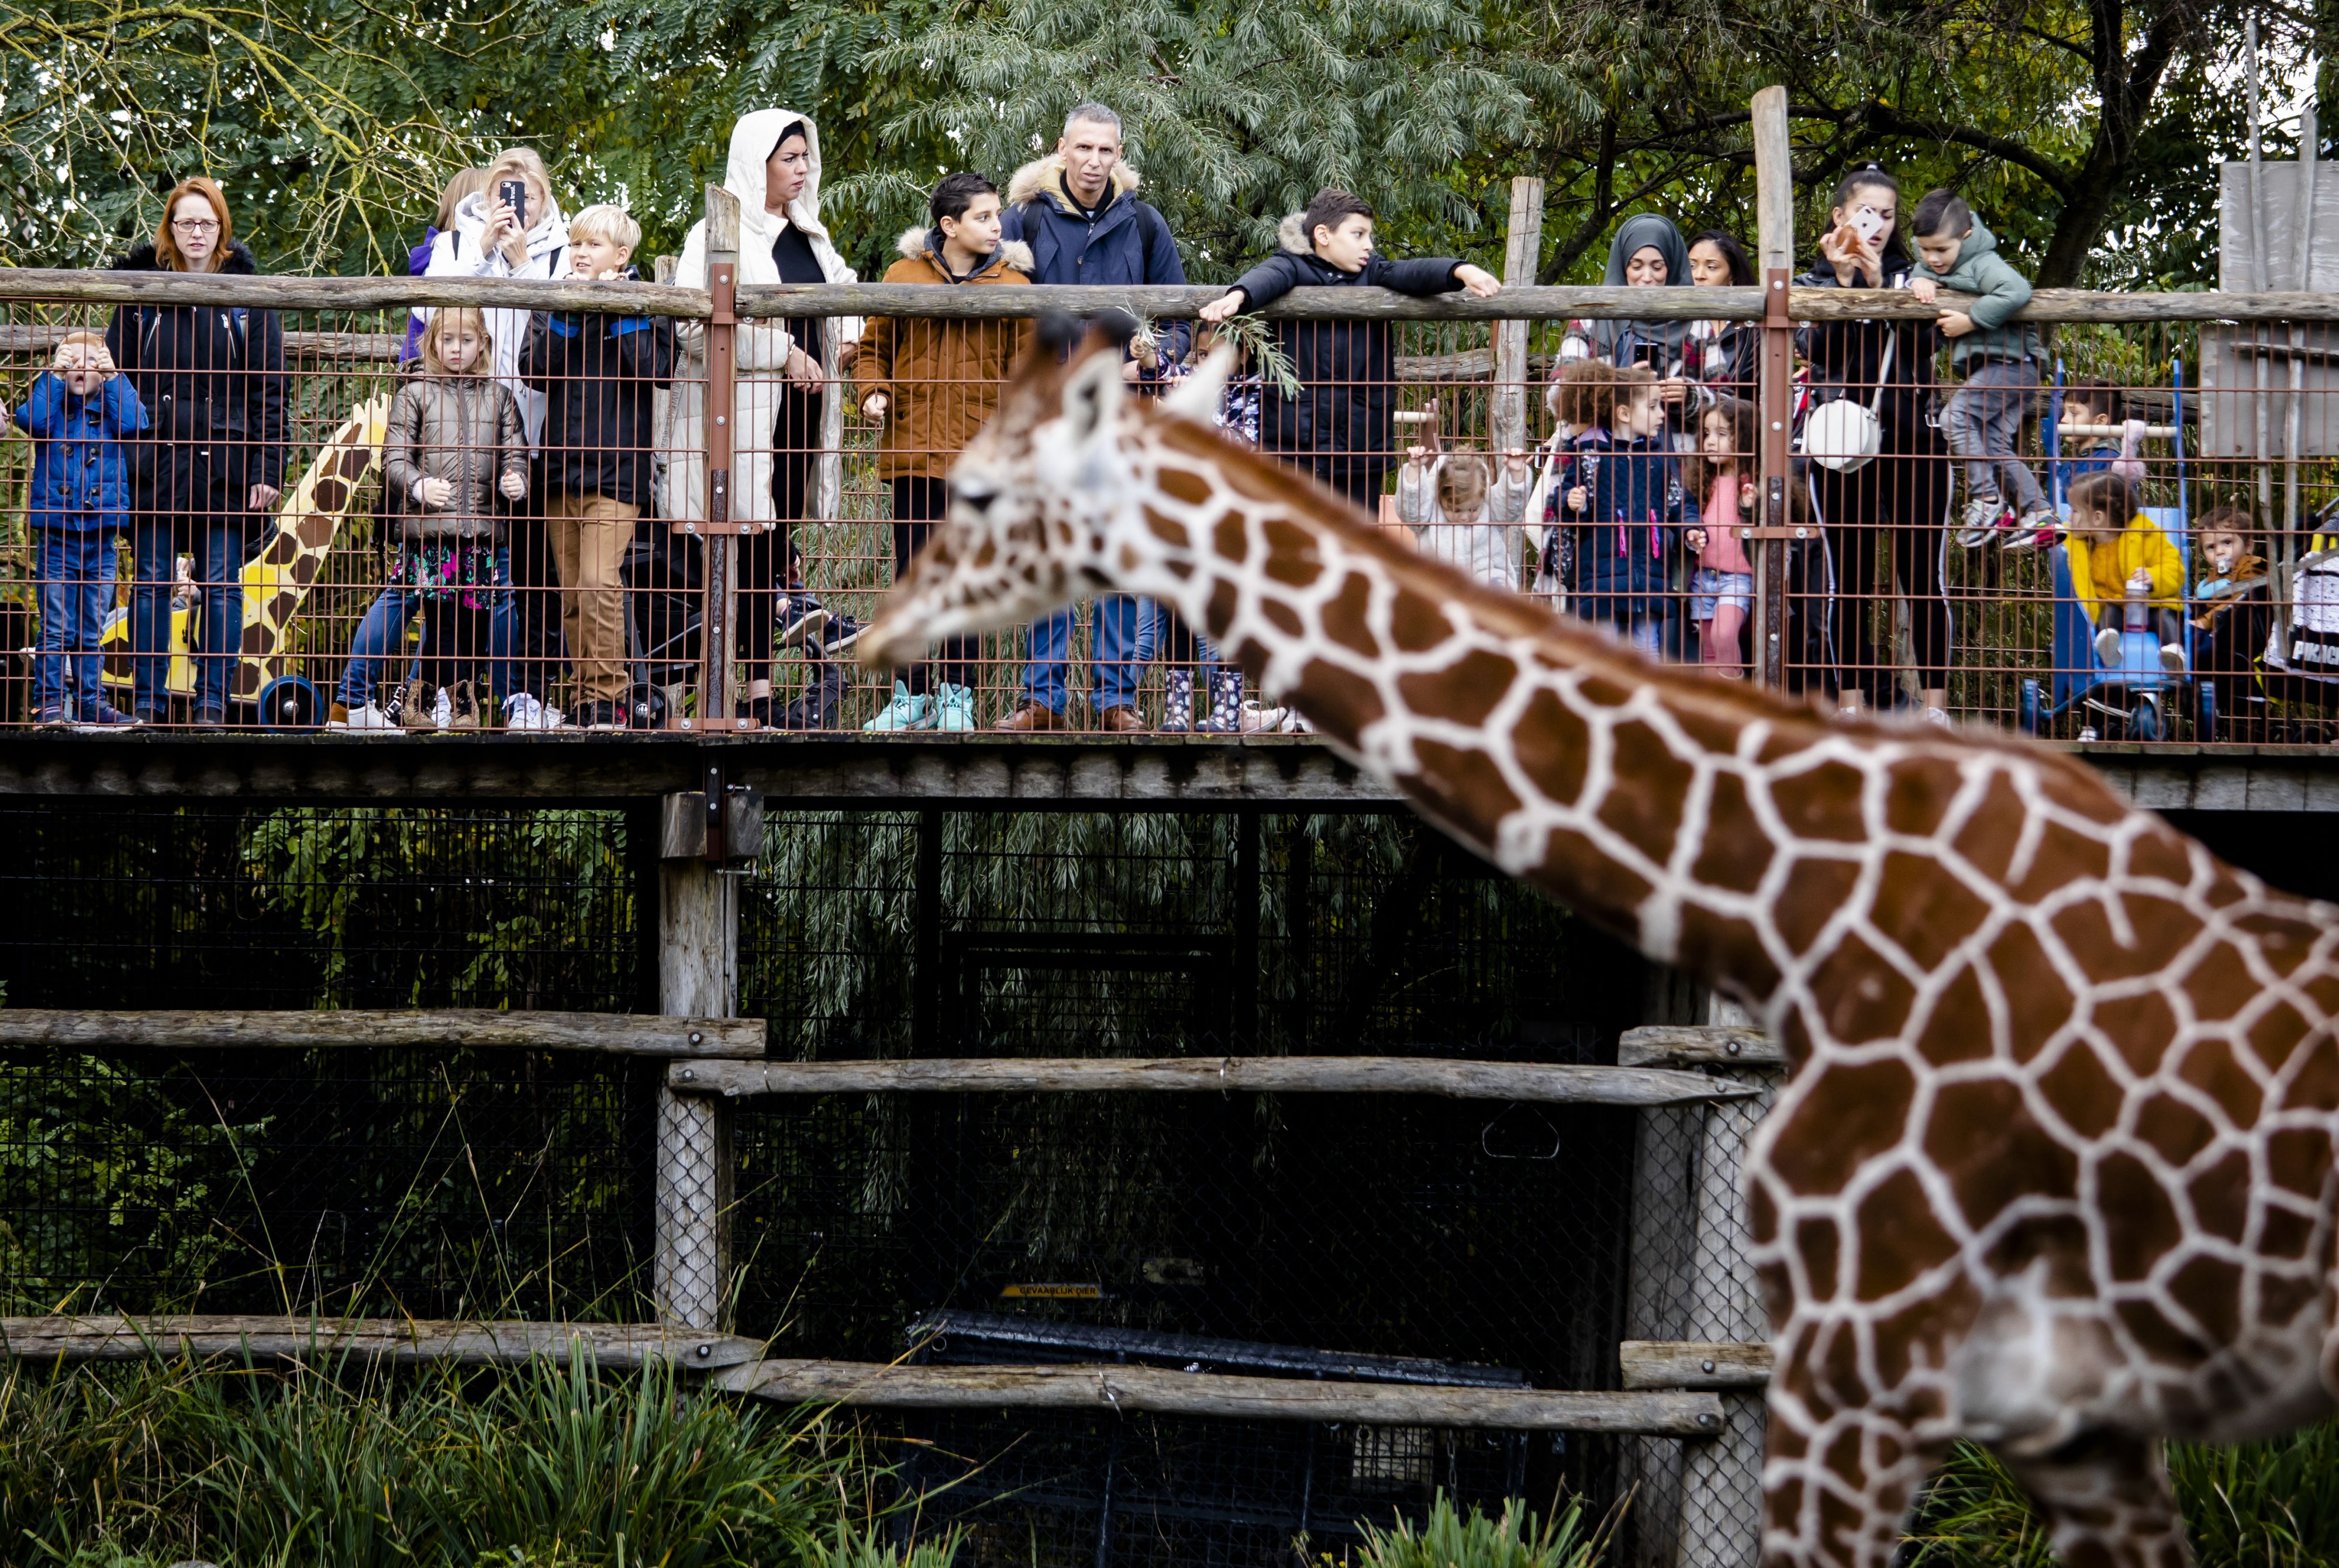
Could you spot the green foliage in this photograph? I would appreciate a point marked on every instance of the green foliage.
(865, 1548)
(548, 1464)
(1514, 1539)
(2272, 1504)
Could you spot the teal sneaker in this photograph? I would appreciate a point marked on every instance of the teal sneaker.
(954, 707)
(903, 713)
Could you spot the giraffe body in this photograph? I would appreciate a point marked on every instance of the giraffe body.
(2054, 1169)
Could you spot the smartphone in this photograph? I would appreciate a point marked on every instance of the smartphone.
(1868, 222)
(515, 196)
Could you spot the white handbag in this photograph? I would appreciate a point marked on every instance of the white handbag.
(1845, 436)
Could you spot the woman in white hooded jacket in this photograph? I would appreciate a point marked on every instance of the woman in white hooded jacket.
(779, 449)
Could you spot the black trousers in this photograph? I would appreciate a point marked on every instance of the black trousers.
(1893, 513)
(918, 504)
(769, 563)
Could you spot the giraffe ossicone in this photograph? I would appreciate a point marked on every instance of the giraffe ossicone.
(2053, 1166)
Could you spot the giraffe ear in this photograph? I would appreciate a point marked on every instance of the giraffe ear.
(1195, 398)
(1092, 399)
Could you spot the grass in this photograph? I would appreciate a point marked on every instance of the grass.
(2273, 1505)
(551, 1465)
(1515, 1538)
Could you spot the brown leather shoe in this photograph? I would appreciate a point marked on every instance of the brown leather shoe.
(1121, 720)
(1029, 717)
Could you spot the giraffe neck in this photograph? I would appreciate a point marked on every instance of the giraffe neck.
(1715, 825)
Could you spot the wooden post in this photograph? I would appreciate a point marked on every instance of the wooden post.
(1522, 248)
(698, 965)
(1774, 186)
(716, 695)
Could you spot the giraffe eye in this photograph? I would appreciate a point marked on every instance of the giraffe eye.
(974, 496)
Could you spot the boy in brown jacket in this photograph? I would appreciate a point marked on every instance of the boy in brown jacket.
(930, 385)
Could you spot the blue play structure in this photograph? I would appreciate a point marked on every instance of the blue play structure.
(2134, 698)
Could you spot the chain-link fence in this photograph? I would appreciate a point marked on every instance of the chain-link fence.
(1513, 1243)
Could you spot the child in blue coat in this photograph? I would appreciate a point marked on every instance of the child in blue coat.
(78, 413)
(1622, 499)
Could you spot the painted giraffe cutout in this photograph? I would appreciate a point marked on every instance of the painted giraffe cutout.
(2054, 1169)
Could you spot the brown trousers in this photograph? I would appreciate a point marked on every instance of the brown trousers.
(589, 535)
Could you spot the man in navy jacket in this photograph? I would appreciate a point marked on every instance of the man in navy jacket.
(1078, 211)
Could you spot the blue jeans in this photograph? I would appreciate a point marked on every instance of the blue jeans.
(1113, 665)
(75, 571)
(380, 639)
(220, 545)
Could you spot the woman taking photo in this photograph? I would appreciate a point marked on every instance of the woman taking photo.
(1892, 511)
(211, 377)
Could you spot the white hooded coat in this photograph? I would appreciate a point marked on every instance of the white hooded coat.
(458, 253)
(760, 349)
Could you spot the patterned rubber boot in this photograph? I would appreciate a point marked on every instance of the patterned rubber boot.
(1225, 717)
(1177, 703)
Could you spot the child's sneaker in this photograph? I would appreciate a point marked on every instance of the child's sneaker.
(106, 717)
(466, 714)
(411, 705)
(2108, 647)
(442, 709)
(906, 712)
(370, 720)
(1226, 715)
(53, 719)
(2040, 528)
(603, 715)
(1986, 519)
(1177, 703)
(953, 709)
(841, 632)
(2172, 658)
(800, 617)
(523, 712)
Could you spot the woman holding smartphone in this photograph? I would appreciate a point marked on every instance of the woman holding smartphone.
(1892, 511)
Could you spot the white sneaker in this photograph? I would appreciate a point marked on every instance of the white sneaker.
(1257, 719)
(2172, 658)
(2108, 647)
(442, 711)
(523, 712)
(1934, 715)
(371, 719)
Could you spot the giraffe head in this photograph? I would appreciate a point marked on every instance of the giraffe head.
(1035, 501)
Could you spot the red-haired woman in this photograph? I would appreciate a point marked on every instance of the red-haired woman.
(211, 377)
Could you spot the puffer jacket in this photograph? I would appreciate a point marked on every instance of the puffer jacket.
(1346, 369)
(1126, 242)
(2002, 290)
(81, 469)
(465, 429)
(941, 376)
(1627, 540)
(597, 371)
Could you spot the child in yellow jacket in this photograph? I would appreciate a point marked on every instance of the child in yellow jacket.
(2117, 554)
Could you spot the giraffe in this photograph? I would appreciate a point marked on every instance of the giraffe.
(2053, 1168)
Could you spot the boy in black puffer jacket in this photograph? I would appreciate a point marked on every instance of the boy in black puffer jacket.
(1338, 427)
(597, 372)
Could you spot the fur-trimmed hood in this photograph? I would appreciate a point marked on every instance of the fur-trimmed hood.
(919, 243)
(1292, 234)
(143, 258)
(1045, 177)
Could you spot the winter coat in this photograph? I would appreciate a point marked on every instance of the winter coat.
(1626, 539)
(1487, 546)
(759, 348)
(459, 253)
(1346, 369)
(1128, 243)
(2100, 573)
(1981, 271)
(80, 465)
(466, 430)
(417, 263)
(211, 382)
(596, 371)
(941, 377)
(1847, 360)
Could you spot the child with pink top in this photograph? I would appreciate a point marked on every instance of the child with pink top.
(1721, 588)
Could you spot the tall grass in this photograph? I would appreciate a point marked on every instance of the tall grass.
(2273, 1505)
(1449, 1538)
(550, 1466)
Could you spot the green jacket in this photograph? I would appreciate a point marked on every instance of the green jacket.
(1981, 271)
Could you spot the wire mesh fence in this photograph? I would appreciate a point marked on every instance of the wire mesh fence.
(316, 526)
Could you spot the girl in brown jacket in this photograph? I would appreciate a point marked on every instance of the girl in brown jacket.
(455, 455)
(930, 385)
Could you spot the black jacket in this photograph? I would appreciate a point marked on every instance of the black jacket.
(1847, 360)
(1346, 369)
(596, 371)
(213, 382)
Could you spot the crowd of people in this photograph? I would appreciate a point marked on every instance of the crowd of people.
(521, 455)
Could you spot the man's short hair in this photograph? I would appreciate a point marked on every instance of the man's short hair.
(1331, 207)
(1095, 115)
(604, 221)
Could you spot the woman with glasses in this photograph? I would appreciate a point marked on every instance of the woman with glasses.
(210, 462)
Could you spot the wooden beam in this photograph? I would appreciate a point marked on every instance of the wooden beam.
(450, 1029)
(2072, 305)
(39, 339)
(1697, 1045)
(1125, 1390)
(1694, 1364)
(43, 285)
(480, 1343)
(1774, 184)
(1174, 302)
(1204, 1075)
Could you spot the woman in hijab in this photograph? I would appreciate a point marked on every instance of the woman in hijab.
(1647, 253)
(775, 171)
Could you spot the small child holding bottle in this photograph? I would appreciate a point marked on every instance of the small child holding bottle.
(2119, 556)
(1721, 589)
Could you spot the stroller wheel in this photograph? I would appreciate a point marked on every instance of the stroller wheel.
(2030, 709)
(2144, 720)
(291, 703)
